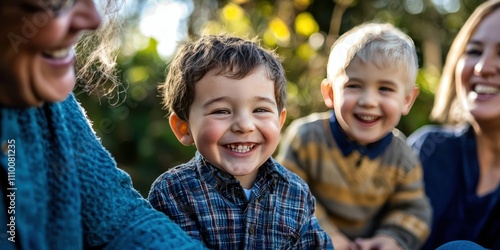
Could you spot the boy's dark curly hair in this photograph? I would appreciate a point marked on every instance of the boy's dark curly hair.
(230, 56)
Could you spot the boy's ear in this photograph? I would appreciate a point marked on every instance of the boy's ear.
(327, 92)
(181, 129)
(282, 117)
(410, 98)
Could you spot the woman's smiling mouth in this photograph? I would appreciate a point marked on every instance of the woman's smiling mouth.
(59, 53)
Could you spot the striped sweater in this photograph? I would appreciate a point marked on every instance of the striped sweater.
(360, 191)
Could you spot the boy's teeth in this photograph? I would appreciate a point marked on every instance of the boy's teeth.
(484, 89)
(240, 148)
(60, 53)
(367, 118)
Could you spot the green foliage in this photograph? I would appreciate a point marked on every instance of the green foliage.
(132, 123)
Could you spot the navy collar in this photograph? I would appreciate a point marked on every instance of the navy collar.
(347, 146)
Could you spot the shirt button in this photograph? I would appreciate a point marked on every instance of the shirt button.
(5, 147)
(251, 230)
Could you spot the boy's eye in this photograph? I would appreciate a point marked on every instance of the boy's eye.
(353, 86)
(260, 110)
(386, 89)
(221, 111)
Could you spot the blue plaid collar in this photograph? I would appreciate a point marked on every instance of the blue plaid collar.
(223, 180)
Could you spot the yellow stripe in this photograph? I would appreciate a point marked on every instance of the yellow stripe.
(348, 197)
(410, 223)
(415, 194)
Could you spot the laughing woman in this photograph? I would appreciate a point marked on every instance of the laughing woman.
(462, 163)
(59, 187)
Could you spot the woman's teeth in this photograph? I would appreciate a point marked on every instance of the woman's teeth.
(59, 53)
(240, 148)
(484, 89)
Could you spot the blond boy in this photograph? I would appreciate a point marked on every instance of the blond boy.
(367, 182)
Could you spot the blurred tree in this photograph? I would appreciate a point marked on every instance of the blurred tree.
(132, 123)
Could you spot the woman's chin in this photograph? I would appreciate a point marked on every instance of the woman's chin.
(55, 90)
(56, 95)
(48, 96)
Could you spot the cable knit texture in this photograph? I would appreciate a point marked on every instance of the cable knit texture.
(70, 194)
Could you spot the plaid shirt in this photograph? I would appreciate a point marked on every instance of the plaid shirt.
(211, 206)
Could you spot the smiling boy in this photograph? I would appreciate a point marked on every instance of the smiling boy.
(226, 95)
(367, 182)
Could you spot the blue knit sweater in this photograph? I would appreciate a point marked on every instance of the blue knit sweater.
(62, 189)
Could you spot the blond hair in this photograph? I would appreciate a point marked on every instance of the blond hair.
(381, 44)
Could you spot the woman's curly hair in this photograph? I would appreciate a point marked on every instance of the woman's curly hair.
(96, 52)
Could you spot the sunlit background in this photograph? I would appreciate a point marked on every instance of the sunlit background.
(134, 129)
(166, 21)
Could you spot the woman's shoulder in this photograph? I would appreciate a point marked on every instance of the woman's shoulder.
(436, 134)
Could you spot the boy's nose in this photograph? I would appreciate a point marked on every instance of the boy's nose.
(243, 124)
(368, 99)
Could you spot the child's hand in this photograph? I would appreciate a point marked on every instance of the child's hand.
(379, 242)
(341, 242)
